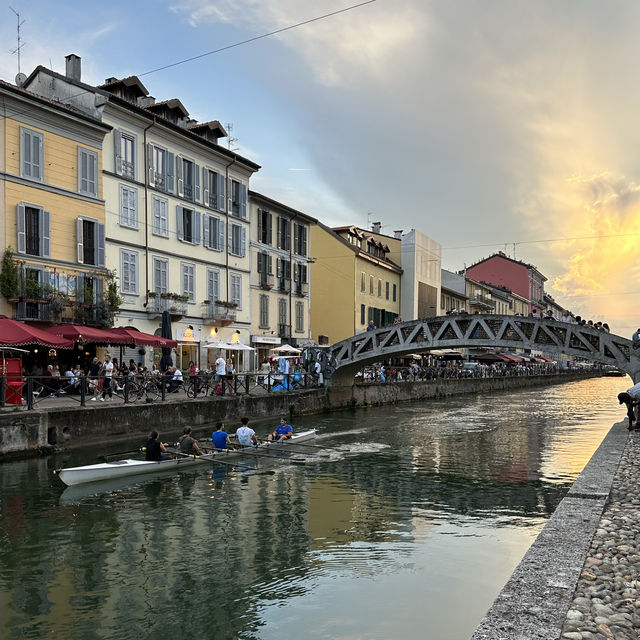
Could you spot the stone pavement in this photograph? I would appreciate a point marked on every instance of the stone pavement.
(606, 602)
(580, 577)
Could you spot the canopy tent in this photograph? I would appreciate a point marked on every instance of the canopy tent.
(78, 333)
(230, 346)
(286, 348)
(14, 333)
(139, 338)
(446, 354)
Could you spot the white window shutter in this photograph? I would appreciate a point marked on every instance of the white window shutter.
(243, 201)
(205, 232)
(230, 237)
(150, 166)
(220, 235)
(205, 187)
(169, 168)
(196, 227)
(79, 244)
(221, 196)
(179, 223)
(243, 244)
(179, 176)
(196, 183)
(230, 194)
(99, 244)
(22, 234)
(117, 147)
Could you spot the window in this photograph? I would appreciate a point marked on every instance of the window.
(300, 239)
(284, 233)
(371, 285)
(188, 281)
(125, 153)
(264, 312)
(128, 271)
(284, 274)
(160, 275)
(89, 289)
(282, 311)
(188, 174)
(237, 199)
(379, 288)
(394, 292)
(363, 283)
(362, 314)
(299, 316)
(214, 189)
(160, 217)
(87, 172)
(128, 207)
(188, 224)
(265, 270)
(300, 278)
(31, 154)
(33, 230)
(90, 242)
(237, 240)
(213, 232)
(160, 163)
(386, 290)
(213, 285)
(236, 289)
(265, 224)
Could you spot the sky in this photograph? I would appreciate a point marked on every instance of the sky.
(488, 125)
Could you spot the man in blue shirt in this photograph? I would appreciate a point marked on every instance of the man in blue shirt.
(220, 438)
(282, 432)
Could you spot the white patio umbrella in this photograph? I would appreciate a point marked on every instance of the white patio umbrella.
(230, 346)
(286, 348)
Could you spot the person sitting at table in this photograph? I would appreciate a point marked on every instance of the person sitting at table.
(176, 379)
(71, 381)
(283, 431)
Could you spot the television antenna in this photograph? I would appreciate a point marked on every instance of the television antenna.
(231, 141)
(20, 43)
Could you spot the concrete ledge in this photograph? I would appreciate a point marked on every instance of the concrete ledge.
(534, 602)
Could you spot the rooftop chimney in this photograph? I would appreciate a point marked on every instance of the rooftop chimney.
(397, 234)
(73, 70)
(376, 227)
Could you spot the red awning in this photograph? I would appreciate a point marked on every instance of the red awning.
(15, 333)
(544, 359)
(78, 333)
(510, 358)
(140, 338)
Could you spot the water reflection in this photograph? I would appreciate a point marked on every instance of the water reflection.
(416, 505)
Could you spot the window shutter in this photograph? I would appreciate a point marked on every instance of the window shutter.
(169, 171)
(270, 265)
(296, 236)
(206, 221)
(243, 243)
(278, 243)
(124, 206)
(22, 234)
(220, 235)
(269, 228)
(303, 231)
(82, 171)
(99, 244)
(221, 195)
(133, 207)
(243, 201)
(98, 290)
(196, 226)
(260, 255)
(196, 183)
(117, 146)
(45, 232)
(25, 153)
(230, 237)
(151, 171)
(288, 237)
(179, 222)
(295, 273)
(79, 240)
(179, 176)
(80, 288)
(260, 224)
(278, 267)
(230, 194)
(205, 187)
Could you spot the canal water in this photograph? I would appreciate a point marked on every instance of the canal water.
(407, 526)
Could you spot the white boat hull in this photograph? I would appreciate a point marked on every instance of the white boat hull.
(121, 468)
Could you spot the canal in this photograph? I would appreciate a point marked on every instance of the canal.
(407, 526)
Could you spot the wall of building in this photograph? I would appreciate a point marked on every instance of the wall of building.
(502, 271)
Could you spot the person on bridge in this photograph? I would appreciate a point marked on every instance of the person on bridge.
(636, 339)
(371, 326)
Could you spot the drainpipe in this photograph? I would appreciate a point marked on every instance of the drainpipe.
(291, 278)
(146, 214)
(226, 240)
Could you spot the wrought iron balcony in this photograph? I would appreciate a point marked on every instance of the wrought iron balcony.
(284, 330)
(284, 284)
(157, 306)
(267, 280)
(301, 288)
(218, 315)
(32, 311)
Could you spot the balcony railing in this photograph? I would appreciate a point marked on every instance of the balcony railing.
(157, 306)
(217, 314)
(301, 288)
(284, 284)
(267, 280)
(32, 311)
(284, 330)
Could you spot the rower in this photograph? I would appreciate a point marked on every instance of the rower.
(189, 444)
(283, 431)
(245, 434)
(220, 438)
(155, 448)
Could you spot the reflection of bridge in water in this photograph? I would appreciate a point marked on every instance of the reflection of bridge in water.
(478, 331)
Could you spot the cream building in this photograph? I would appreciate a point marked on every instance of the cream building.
(177, 223)
(280, 255)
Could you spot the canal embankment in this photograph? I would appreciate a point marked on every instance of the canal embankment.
(44, 430)
(579, 579)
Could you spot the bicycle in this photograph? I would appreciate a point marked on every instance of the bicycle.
(198, 387)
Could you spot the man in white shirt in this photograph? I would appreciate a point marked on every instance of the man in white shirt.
(107, 372)
(221, 367)
(245, 434)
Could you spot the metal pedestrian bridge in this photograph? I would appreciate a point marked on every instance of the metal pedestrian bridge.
(498, 332)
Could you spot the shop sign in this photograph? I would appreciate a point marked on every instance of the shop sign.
(187, 335)
(266, 339)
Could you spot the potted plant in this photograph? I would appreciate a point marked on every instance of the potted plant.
(207, 302)
(183, 297)
(142, 351)
(9, 276)
(57, 303)
(153, 294)
(32, 289)
(113, 297)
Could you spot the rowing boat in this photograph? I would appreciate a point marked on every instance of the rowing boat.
(129, 467)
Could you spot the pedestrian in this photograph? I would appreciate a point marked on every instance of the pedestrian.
(635, 338)
(221, 367)
(371, 326)
(107, 375)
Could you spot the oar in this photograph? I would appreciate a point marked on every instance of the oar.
(118, 455)
(212, 460)
(247, 451)
(299, 444)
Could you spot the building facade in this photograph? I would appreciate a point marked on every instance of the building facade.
(53, 211)
(453, 296)
(177, 226)
(280, 257)
(354, 282)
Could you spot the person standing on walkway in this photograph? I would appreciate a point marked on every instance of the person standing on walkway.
(221, 367)
(107, 373)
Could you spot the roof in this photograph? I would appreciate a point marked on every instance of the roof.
(173, 104)
(145, 113)
(504, 256)
(129, 81)
(56, 105)
(212, 125)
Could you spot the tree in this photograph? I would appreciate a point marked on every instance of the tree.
(9, 275)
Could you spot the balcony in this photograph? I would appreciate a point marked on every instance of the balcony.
(284, 284)
(267, 280)
(284, 330)
(218, 314)
(301, 289)
(32, 310)
(157, 306)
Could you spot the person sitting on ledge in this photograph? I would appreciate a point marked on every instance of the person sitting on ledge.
(631, 397)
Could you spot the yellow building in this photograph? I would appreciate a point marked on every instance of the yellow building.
(353, 282)
(52, 209)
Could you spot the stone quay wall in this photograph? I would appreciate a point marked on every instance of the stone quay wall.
(28, 433)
